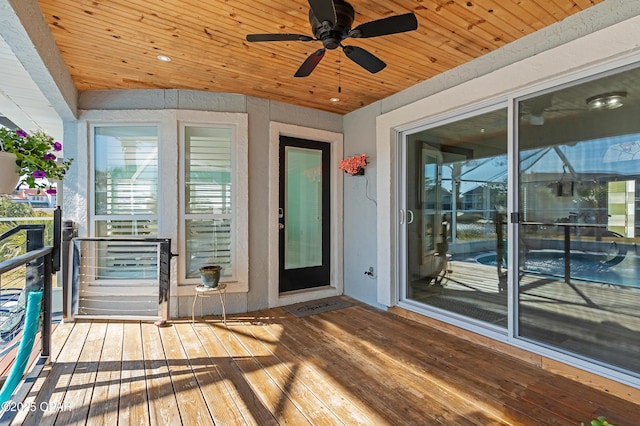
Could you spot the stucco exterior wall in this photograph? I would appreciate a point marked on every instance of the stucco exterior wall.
(583, 40)
(154, 102)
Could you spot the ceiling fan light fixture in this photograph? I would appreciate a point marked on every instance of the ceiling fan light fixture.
(610, 100)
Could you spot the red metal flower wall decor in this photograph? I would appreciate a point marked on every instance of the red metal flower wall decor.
(354, 165)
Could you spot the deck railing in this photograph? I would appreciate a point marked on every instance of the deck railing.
(119, 278)
(32, 274)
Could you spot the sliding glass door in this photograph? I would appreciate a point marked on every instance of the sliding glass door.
(453, 217)
(567, 262)
(579, 194)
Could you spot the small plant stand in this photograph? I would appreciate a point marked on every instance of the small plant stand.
(204, 291)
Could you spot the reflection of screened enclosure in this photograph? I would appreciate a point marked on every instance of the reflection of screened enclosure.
(455, 195)
(478, 189)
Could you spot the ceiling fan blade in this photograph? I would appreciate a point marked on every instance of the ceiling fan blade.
(310, 63)
(324, 10)
(391, 25)
(278, 37)
(366, 60)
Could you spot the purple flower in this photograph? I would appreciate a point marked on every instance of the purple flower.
(21, 133)
(39, 174)
(57, 146)
(49, 157)
(51, 191)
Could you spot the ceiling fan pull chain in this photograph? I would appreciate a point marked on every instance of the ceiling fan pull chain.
(339, 71)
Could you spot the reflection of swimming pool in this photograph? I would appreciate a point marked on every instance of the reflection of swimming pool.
(584, 266)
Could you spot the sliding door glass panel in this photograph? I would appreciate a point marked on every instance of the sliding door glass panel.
(579, 271)
(455, 204)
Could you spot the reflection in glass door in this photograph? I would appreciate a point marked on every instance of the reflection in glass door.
(579, 266)
(453, 213)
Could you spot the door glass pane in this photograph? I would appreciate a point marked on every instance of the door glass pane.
(456, 186)
(579, 270)
(303, 208)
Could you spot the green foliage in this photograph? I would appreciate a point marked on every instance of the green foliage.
(35, 156)
(600, 421)
(11, 209)
(16, 244)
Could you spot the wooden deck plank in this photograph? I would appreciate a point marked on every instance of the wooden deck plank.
(408, 388)
(163, 406)
(58, 378)
(191, 404)
(347, 407)
(219, 399)
(80, 390)
(353, 366)
(106, 392)
(355, 372)
(284, 374)
(61, 333)
(133, 404)
(411, 386)
(252, 408)
(272, 396)
(442, 368)
(263, 388)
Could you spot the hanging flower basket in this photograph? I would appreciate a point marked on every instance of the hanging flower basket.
(355, 165)
(9, 173)
(34, 158)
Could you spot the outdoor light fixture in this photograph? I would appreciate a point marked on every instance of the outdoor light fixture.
(163, 58)
(334, 99)
(611, 100)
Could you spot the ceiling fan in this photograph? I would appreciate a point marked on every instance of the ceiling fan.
(331, 23)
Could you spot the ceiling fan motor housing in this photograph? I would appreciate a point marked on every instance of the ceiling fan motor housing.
(332, 36)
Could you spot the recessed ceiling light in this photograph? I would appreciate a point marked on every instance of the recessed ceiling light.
(611, 100)
(334, 99)
(164, 58)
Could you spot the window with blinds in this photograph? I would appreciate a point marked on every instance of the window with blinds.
(208, 199)
(126, 198)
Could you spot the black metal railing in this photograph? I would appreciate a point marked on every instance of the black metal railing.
(40, 262)
(118, 278)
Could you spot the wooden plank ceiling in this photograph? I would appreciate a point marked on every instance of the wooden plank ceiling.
(113, 44)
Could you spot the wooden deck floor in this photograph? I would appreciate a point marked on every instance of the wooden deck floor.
(351, 366)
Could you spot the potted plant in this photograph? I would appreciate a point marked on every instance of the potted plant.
(210, 275)
(30, 157)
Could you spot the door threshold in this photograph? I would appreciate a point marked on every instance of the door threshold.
(305, 295)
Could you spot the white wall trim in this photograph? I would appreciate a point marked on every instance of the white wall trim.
(336, 287)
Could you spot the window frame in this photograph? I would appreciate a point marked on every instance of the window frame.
(170, 217)
(94, 218)
(237, 279)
